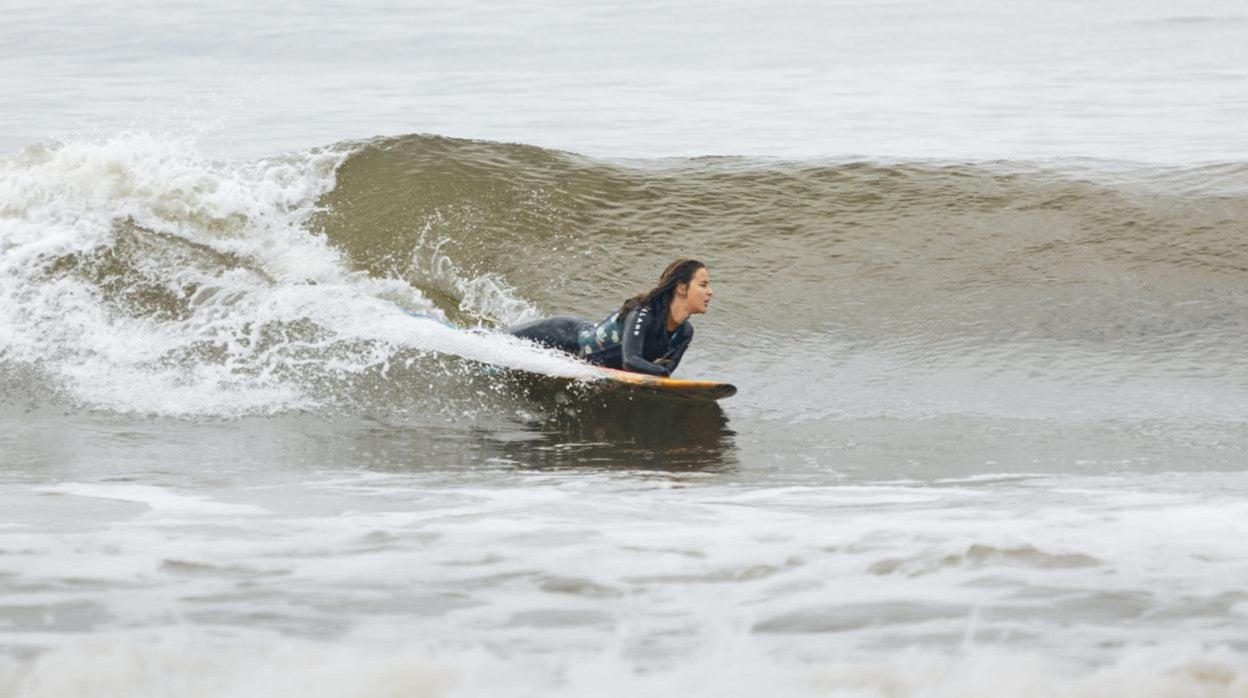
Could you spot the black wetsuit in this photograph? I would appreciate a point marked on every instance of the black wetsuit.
(632, 343)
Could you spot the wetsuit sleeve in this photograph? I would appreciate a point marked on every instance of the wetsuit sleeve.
(636, 326)
(678, 351)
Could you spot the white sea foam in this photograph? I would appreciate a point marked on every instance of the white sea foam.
(235, 252)
(191, 666)
(480, 297)
(1073, 575)
(158, 499)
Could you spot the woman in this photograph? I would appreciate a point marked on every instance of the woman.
(648, 334)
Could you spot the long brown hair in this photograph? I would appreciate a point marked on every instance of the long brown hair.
(679, 272)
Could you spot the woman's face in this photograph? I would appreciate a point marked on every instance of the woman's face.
(698, 295)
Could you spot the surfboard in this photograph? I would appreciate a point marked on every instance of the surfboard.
(674, 387)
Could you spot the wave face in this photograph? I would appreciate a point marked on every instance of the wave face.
(991, 422)
(1006, 289)
(138, 276)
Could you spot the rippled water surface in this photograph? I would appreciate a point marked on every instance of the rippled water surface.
(1106, 79)
(979, 276)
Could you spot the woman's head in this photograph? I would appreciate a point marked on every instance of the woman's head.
(678, 280)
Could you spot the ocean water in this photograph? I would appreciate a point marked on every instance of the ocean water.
(980, 274)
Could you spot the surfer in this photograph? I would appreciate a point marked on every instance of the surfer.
(648, 334)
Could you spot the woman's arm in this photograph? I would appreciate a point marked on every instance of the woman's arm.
(637, 325)
(672, 359)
